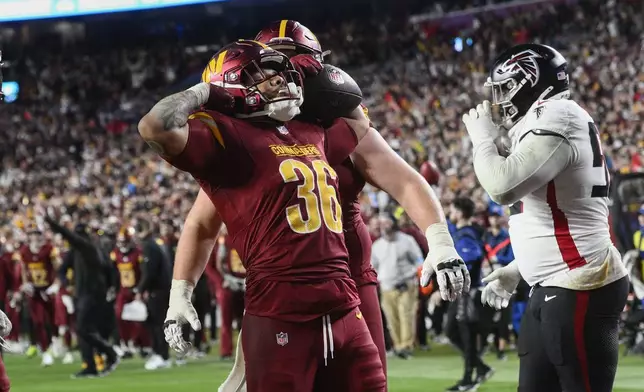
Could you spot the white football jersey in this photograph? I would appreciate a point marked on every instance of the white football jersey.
(560, 233)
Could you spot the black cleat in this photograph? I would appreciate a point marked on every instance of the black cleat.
(86, 373)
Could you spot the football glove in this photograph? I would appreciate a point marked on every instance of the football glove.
(236, 380)
(180, 312)
(501, 283)
(306, 65)
(5, 324)
(451, 272)
(479, 124)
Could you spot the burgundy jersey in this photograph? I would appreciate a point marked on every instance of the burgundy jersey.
(232, 262)
(356, 234)
(357, 238)
(39, 266)
(7, 274)
(278, 196)
(129, 266)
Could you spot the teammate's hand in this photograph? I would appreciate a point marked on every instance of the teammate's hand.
(180, 312)
(5, 324)
(501, 283)
(479, 124)
(306, 65)
(451, 272)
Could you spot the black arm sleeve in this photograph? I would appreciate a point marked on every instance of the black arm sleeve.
(75, 240)
(68, 262)
(151, 260)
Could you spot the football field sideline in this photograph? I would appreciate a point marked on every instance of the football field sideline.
(427, 372)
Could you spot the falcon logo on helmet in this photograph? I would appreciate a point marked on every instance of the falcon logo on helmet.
(525, 62)
(523, 75)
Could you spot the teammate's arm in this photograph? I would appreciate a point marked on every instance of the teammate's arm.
(194, 249)
(197, 239)
(382, 167)
(537, 159)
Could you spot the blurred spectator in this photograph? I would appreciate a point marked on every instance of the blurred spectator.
(395, 257)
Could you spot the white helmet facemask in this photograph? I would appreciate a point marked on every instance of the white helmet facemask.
(286, 109)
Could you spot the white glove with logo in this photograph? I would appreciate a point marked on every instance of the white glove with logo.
(451, 272)
(501, 283)
(236, 380)
(479, 123)
(5, 324)
(180, 312)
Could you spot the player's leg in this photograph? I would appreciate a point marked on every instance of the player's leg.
(536, 372)
(281, 356)
(224, 300)
(589, 346)
(370, 308)
(355, 365)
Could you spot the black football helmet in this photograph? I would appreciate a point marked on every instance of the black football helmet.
(523, 75)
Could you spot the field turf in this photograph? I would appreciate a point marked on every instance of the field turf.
(427, 372)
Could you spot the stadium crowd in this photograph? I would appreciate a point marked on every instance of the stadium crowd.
(71, 146)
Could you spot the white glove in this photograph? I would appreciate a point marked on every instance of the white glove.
(53, 289)
(5, 324)
(180, 312)
(479, 124)
(27, 288)
(451, 272)
(236, 380)
(501, 283)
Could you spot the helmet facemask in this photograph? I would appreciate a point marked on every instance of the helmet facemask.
(504, 112)
(271, 87)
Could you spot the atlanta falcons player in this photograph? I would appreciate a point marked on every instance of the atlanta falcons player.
(556, 181)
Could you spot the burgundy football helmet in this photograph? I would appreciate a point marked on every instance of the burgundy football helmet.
(291, 37)
(242, 66)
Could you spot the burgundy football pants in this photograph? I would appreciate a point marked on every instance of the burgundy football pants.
(334, 353)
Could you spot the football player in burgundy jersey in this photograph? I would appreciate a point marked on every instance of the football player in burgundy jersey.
(376, 161)
(39, 259)
(127, 257)
(270, 178)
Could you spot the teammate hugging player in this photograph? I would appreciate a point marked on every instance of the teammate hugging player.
(557, 184)
(283, 216)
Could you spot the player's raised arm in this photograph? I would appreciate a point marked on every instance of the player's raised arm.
(166, 127)
(381, 166)
(538, 158)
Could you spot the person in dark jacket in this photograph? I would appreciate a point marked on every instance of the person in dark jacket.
(466, 315)
(91, 285)
(156, 277)
(499, 254)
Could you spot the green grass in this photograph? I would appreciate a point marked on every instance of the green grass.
(427, 372)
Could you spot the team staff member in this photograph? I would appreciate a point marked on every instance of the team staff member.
(155, 282)
(466, 316)
(91, 281)
(499, 254)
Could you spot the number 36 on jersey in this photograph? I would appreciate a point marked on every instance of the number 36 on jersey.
(319, 198)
